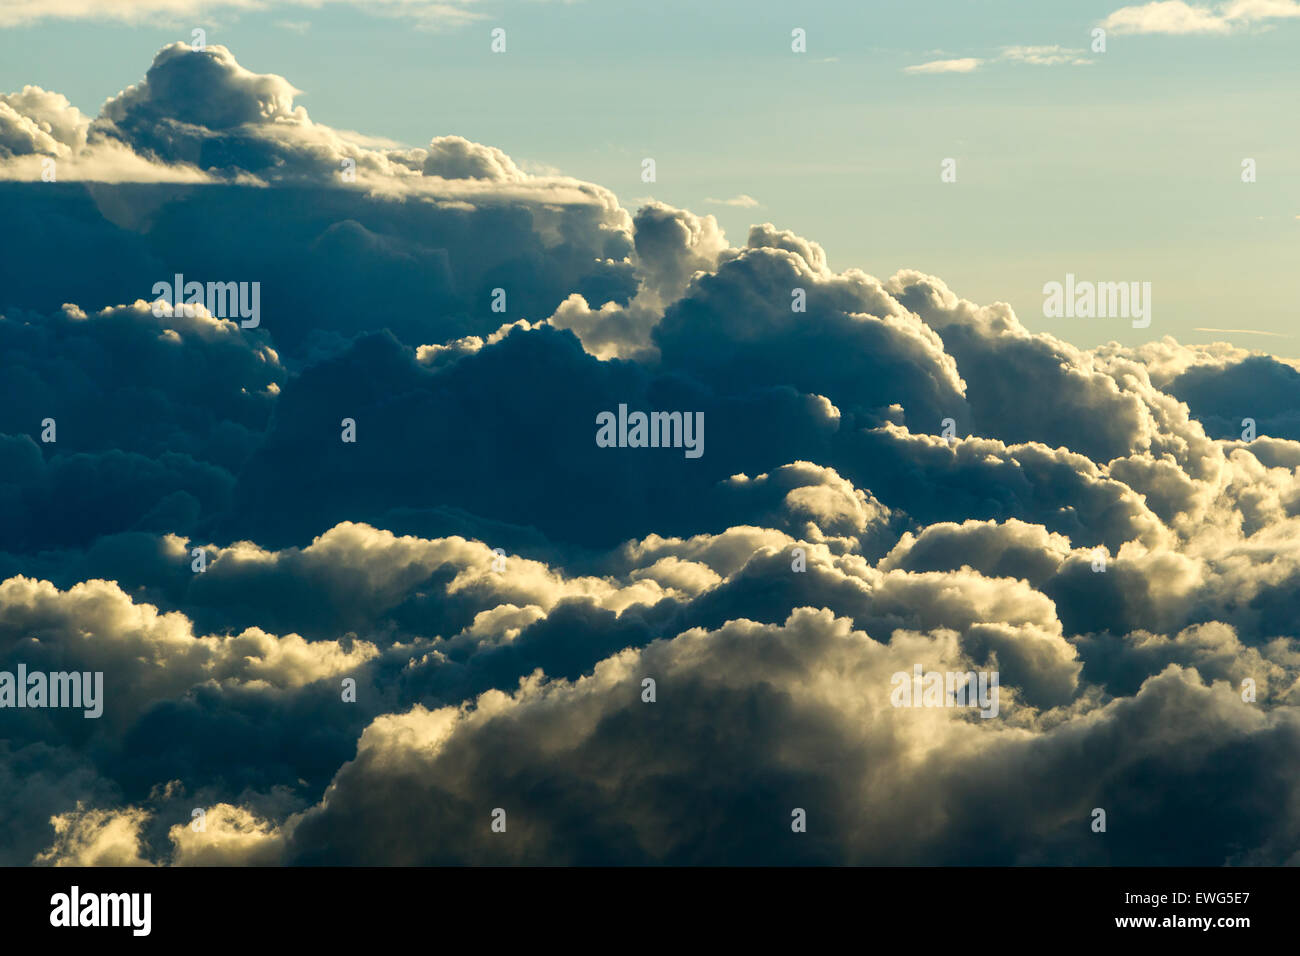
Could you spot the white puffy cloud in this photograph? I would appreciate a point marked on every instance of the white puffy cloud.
(148, 656)
(798, 714)
(1180, 18)
(96, 837)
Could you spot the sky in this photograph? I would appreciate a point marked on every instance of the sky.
(1115, 166)
(410, 482)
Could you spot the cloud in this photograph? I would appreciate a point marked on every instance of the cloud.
(231, 836)
(1045, 55)
(1281, 335)
(736, 327)
(1258, 387)
(1180, 18)
(576, 789)
(147, 655)
(672, 245)
(454, 157)
(36, 121)
(962, 65)
(742, 202)
(1052, 55)
(96, 838)
(202, 386)
(892, 476)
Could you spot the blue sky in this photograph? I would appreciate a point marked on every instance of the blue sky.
(1124, 168)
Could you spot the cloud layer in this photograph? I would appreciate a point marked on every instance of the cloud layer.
(635, 655)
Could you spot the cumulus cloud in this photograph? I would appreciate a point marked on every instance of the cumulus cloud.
(892, 476)
(1180, 18)
(807, 693)
(231, 836)
(36, 121)
(147, 655)
(95, 838)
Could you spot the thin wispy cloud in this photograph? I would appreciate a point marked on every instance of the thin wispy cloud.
(1045, 55)
(742, 201)
(367, 140)
(1280, 335)
(1049, 55)
(963, 65)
